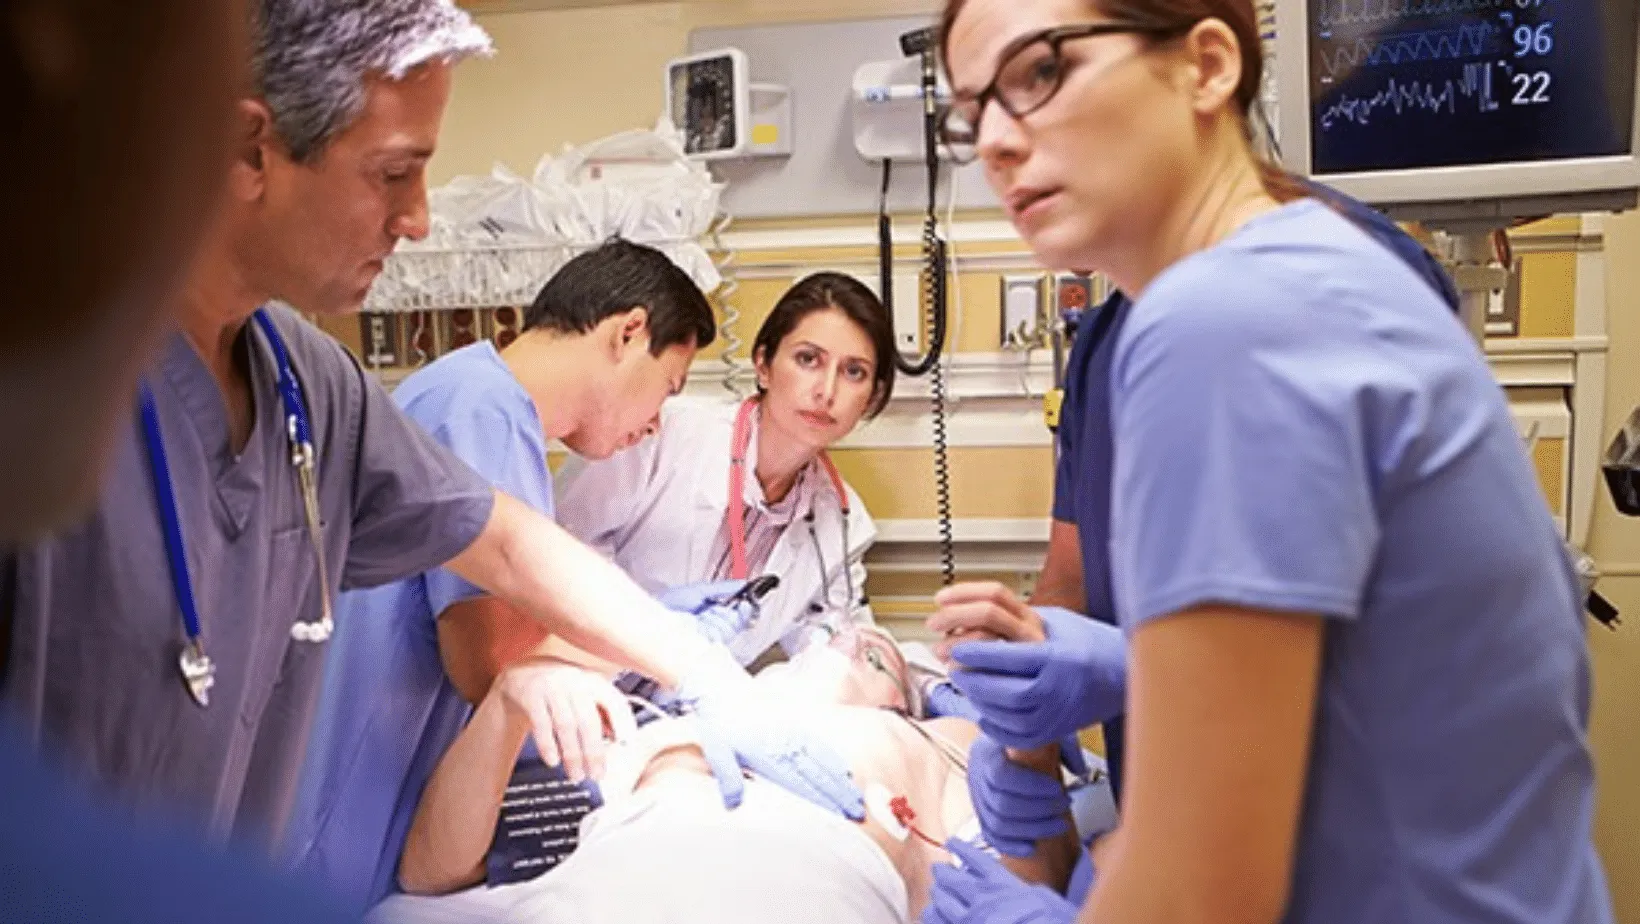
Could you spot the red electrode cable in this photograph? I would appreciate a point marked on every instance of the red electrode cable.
(901, 807)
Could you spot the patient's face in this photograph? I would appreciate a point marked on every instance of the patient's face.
(878, 674)
(858, 667)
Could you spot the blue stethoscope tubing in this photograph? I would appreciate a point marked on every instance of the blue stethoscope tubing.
(298, 429)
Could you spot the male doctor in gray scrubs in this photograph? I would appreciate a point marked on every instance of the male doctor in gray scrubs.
(328, 174)
(127, 105)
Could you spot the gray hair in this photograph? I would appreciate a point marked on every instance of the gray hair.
(312, 58)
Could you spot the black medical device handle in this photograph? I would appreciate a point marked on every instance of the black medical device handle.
(1603, 611)
(754, 590)
(933, 294)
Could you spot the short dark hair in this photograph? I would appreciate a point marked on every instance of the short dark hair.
(618, 276)
(840, 292)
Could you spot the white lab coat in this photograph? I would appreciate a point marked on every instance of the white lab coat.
(657, 510)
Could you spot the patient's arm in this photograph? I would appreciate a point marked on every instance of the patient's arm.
(478, 638)
(1055, 858)
(1060, 582)
(456, 816)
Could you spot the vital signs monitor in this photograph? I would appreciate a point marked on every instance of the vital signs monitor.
(1468, 109)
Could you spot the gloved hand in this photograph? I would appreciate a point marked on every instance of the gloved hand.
(1016, 806)
(981, 891)
(945, 700)
(689, 598)
(1031, 693)
(717, 622)
(741, 728)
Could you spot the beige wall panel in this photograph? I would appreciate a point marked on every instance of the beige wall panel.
(1005, 482)
(980, 330)
(754, 300)
(1549, 456)
(1616, 659)
(563, 77)
(1615, 544)
(905, 584)
(1556, 224)
(1548, 290)
(344, 328)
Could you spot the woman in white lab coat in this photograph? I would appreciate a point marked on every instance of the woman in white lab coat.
(825, 362)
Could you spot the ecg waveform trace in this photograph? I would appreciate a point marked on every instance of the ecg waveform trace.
(1465, 41)
(1416, 95)
(1369, 12)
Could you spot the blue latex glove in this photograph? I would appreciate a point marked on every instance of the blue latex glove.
(1082, 879)
(717, 622)
(944, 699)
(739, 728)
(690, 598)
(1016, 806)
(981, 891)
(1031, 693)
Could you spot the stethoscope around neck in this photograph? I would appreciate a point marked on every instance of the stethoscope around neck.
(198, 671)
(735, 514)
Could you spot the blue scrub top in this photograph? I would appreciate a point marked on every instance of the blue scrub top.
(1301, 425)
(74, 858)
(387, 713)
(96, 599)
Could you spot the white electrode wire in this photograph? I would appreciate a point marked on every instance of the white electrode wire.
(958, 757)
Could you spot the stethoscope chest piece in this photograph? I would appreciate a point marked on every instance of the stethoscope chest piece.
(198, 672)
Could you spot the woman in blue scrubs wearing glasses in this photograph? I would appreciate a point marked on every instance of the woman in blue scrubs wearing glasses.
(1356, 680)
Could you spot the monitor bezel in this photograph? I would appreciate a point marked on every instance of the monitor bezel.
(1573, 177)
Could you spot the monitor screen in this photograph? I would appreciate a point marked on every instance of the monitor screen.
(702, 103)
(1409, 84)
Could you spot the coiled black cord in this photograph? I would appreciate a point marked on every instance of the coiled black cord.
(934, 308)
(932, 290)
(935, 286)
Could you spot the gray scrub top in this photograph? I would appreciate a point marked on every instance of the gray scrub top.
(96, 629)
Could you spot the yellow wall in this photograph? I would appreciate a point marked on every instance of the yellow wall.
(1615, 544)
(571, 76)
(997, 482)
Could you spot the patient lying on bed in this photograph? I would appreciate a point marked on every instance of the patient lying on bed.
(663, 847)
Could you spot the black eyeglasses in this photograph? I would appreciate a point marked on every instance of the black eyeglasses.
(1032, 71)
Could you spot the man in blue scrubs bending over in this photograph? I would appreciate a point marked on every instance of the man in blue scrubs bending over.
(171, 644)
(592, 344)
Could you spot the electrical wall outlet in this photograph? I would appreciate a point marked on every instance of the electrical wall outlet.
(1073, 292)
(1022, 312)
(1503, 307)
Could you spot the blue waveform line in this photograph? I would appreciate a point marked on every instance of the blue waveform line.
(1466, 41)
(1402, 96)
(1366, 12)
